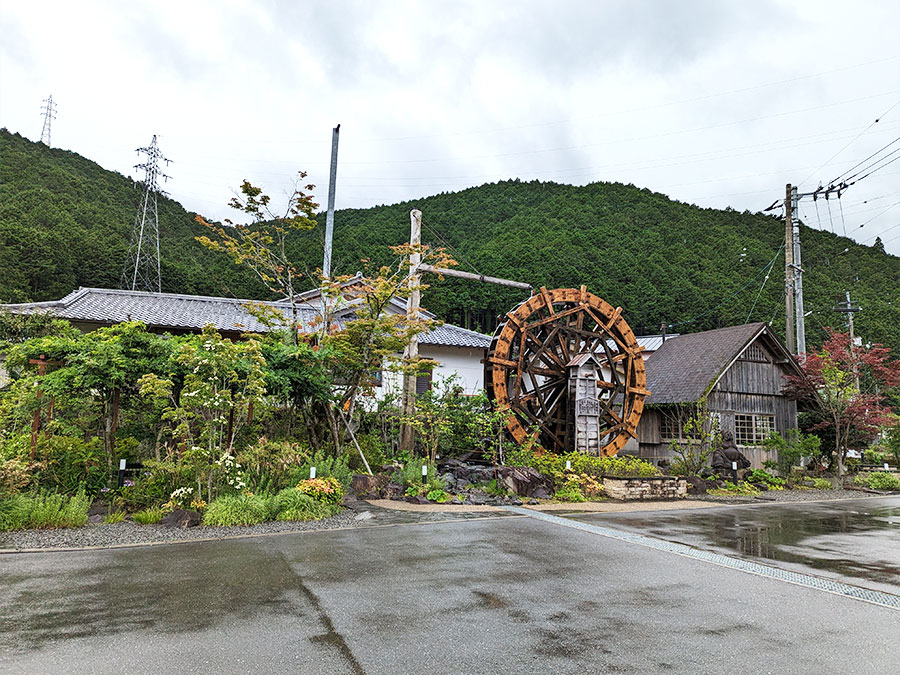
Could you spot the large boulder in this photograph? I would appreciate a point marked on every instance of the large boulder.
(181, 518)
(524, 481)
(368, 487)
(695, 485)
(392, 491)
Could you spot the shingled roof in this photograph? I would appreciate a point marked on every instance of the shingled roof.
(178, 312)
(683, 368)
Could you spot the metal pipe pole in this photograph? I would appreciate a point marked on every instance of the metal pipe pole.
(329, 216)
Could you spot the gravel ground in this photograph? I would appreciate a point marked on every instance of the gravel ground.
(788, 496)
(128, 533)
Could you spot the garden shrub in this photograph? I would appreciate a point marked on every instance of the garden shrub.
(14, 512)
(410, 474)
(292, 504)
(72, 463)
(14, 475)
(114, 517)
(326, 466)
(269, 465)
(327, 490)
(149, 516)
(791, 448)
(236, 510)
(44, 510)
(155, 484)
(822, 484)
(759, 476)
(878, 480)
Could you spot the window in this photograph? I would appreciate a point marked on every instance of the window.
(669, 426)
(752, 429)
(423, 383)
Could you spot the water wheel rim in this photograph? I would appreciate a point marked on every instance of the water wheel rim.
(527, 362)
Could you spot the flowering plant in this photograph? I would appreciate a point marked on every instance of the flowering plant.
(327, 490)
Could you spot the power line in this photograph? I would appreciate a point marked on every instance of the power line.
(765, 268)
(877, 119)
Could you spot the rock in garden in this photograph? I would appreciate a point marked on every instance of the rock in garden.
(365, 515)
(477, 500)
(392, 491)
(367, 487)
(522, 480)
(96, 517)
(181, 518)
(541, 493)
(533, 502)
(417, 499)
(696, 485)
(456, 500)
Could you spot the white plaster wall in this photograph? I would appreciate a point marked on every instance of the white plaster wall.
(463, 361)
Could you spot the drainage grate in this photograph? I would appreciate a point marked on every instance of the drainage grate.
(876, 597)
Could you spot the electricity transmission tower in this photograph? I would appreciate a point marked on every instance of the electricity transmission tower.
(142, 269)
(49, 112)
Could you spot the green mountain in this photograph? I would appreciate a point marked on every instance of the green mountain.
(65, 222)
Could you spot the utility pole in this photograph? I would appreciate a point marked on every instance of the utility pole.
(49, 112)
(789, 272)
(142, 267)
(850, 309)
(798, 277)
(411, 354)
(329, 216)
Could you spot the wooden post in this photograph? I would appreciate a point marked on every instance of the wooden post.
(411, 354)
(41, 363)
(789, 271)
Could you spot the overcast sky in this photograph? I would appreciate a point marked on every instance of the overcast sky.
(714, 103)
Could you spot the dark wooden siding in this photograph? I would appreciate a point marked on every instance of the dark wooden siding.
(750, 386)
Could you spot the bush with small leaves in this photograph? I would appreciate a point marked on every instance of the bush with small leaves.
(236, 510)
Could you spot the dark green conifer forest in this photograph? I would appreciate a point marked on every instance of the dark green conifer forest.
(65, 223)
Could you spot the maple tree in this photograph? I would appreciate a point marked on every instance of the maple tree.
(848, 382)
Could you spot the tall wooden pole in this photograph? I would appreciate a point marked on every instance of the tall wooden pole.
(411, 354)
(789, 271)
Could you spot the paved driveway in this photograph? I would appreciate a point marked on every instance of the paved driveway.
(851, 541)
(505, 595)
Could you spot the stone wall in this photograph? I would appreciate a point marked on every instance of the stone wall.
(638, 488)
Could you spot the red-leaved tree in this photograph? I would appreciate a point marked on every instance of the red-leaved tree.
(847, 381)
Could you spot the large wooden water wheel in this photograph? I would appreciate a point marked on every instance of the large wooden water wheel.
(529, 369)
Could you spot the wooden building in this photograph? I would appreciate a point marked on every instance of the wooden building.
(740, 370)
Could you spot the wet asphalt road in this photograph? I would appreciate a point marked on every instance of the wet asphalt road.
(505, 595)
(854, 541)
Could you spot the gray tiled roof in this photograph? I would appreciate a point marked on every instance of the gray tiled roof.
(455, 336)
(683, 368)
(173, 311)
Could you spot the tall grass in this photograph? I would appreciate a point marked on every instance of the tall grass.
(291, 504)
(237, 510)
(44, 510)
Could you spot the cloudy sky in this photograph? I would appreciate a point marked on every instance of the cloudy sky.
(711, 102)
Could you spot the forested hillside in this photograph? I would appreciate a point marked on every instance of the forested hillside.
(64, 223)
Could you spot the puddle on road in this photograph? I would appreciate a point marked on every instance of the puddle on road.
(858, 541)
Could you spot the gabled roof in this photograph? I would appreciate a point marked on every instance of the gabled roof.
(311, 298)
(178, 312)
(686, 367)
